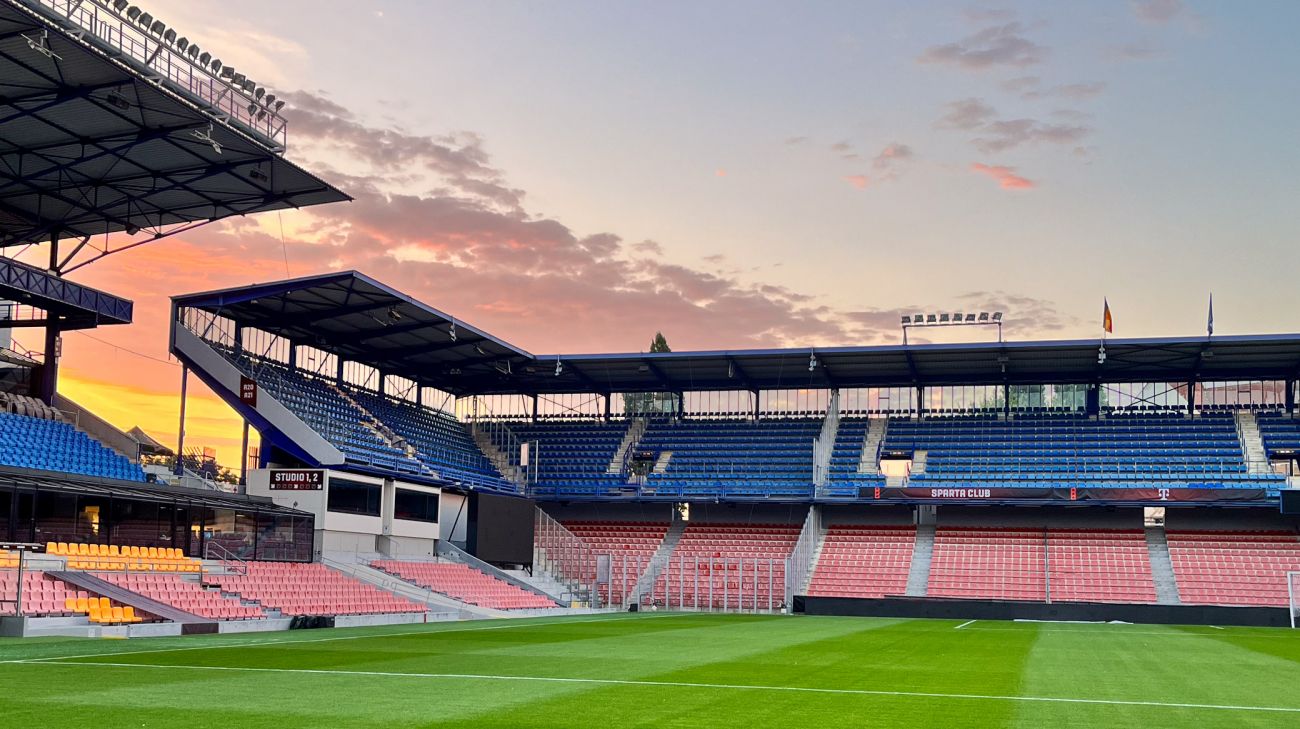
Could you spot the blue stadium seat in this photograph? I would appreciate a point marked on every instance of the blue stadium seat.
(52, 445)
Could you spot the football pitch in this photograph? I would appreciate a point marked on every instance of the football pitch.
(665, 670)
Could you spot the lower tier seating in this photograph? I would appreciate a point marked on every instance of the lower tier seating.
(728, 566)
(630, 545)
(863, 561)
(1099, 566)
(989, 564)
(1234, 568)
(112, 557)
(296, 588)
(464, 583)
(185, 595)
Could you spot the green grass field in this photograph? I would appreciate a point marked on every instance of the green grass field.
(665, 670)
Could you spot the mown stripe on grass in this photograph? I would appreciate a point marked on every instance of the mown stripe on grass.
(695, 685)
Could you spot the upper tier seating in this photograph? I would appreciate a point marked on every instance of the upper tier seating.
(112, 557)
(1279, 431)
(51, 445)
(439, 444)
(734, 565)
(296, 588)
(573, 458)
(1162, 450)
(185, 595)
(1099, 566)
(1233, 568)
(440, 440)
(733, 457)
(464, 583)
(863, 561)
(843, 477)
(630, 546)
(320, 405)
(989, 564)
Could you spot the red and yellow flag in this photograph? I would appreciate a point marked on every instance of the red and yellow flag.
(1107, 323)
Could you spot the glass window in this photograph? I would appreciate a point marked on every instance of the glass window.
(140, 524)
(56, 518)
(6, 504)
(284, 538)
(353, 497)
(415, 506)
(233, 531)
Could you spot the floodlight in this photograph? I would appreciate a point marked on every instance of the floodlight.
(957, 317)
(182, 44)
(169, 36)
(451, 331)
(559, 367)
(269, 100)
(145, 20)
(812, 361)
(133, 13)
(204, 58)
(970, 317)
(252, 109)
(907, 319)
(158, 27)
(984, 316)
(216, 66)
(119, 4)
(194, 53)
(259, 93)
(279, 105)
(930, 319)
(227, 71)
(997, 316)
(943, 318)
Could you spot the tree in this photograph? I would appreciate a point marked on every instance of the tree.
(649, 403)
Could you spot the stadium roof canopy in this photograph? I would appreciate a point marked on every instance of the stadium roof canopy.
(362, 320)
(95, 141)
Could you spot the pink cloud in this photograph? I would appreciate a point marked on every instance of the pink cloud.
(859, 181)
(1006, 177)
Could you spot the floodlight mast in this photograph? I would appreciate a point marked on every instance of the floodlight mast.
(958, 319)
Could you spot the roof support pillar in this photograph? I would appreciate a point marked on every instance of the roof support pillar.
(1191, 398)
(608, 397)
(1289, 395)
(756, 399)
(1093, 405)
(239, 339)
(535, 410)
(1006, 400)
(681, 405)
(338, 370)
(920, 401)
(243, 457)
(180, 437)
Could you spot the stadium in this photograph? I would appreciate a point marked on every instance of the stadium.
(431, 526)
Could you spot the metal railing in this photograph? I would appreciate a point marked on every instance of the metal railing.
(801, 557)
(561, 554)
(166, 65)
(721, 584)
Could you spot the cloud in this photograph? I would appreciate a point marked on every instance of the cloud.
(999, 135)
(859, 181)
(720, 172)
(996, 46)
(889, 162)
(1140, 51)
(1029, 88)
(966, 114)
(1021, 314)
(1006, 177)
(793, 141)
(1157, 11)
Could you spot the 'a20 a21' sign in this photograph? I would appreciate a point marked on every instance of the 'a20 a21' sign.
(248, 390)
(297, 479)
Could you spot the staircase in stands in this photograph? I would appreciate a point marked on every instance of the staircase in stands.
(918, 577)
(1252, 445)
(870, 461)
(645, 583)
(1162, 567)
(497, 457)
(635, 429)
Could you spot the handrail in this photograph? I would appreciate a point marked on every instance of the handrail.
(230, 561)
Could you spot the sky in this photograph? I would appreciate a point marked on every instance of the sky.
(574, 176)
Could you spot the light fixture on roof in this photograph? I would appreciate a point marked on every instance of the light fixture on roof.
(394, 314)
(943, 319)
(812, 360)
(203, 136)
(559, 367)
(1101, 354)
(41, 44)
(119, 4)
(118, 100)
(731, 370)
(451, 331)
(503, 367)
(258, 175)
(480, 350)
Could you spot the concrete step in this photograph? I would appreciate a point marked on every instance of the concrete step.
(918, 577)
(1162, 567)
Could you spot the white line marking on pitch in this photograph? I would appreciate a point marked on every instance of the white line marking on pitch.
(255, 644)
(686, 684)
(1099, 631)
(959, 627)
